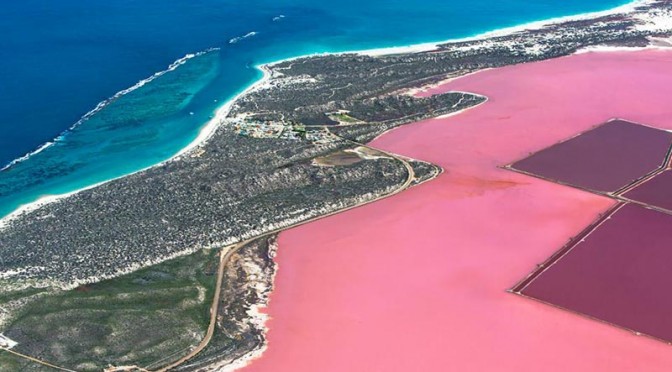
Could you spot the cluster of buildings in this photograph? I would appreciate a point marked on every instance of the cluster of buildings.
(235, 187)
(281, 130)
(269, 129)
(320, 137)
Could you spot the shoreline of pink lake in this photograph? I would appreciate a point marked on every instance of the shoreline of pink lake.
(418, 281)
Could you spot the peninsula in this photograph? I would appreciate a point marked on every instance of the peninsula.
(179, 257)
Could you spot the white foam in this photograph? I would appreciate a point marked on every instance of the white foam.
(431, 46)
(240, 38)
(28, 155)
(204, 134)
(207, 131)
(104, 103)
(425, 47)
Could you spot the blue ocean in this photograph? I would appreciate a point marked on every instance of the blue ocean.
(92, 90)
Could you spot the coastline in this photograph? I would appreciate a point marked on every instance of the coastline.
(211, 126)
(534, 25)
(474, 196)
(220, 114)
(204, 134)
(205, 139)
(613, 49)
(102, 104)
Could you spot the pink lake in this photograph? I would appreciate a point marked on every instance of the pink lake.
(418, 281)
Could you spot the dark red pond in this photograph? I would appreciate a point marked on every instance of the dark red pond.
(656, 191)
(620, 273)
(603, 159)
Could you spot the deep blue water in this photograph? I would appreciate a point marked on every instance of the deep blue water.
(61, 58)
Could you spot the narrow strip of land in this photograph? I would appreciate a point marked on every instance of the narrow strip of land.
(225, 256)
(230, 250)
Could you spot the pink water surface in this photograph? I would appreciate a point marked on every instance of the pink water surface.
(417, 282)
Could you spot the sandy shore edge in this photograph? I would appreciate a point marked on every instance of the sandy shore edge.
(204, 134)
(211, 126)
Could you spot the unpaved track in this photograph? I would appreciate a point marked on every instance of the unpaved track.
(225, 256)
(38, 361)
(228, 251)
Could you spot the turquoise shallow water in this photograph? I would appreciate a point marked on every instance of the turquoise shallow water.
(63, 58)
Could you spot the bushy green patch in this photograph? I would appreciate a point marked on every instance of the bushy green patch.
(137, 319)
(8, 296)
(344, 118)
(12, 363)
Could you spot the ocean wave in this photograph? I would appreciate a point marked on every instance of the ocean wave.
(239, 38)
(103, 104)
(28, 155)
(277, 18)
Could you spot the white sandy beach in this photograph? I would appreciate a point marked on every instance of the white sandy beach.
(211, 126)
(424, 47)
(205, 133)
